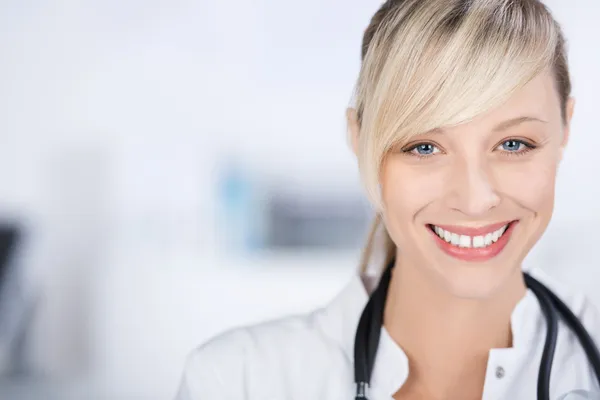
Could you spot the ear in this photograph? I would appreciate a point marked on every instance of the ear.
(569, 109)
(353, 128)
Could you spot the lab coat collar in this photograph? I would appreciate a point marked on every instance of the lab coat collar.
(391, 364)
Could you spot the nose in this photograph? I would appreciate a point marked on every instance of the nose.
(472, 189)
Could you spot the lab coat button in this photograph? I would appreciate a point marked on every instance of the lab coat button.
(499, 372)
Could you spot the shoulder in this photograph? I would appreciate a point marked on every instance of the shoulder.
(248, 359)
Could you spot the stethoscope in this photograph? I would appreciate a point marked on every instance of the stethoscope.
(368, 331)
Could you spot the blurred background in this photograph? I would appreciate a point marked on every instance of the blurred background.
(171, 169)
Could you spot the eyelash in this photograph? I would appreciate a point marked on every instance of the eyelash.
(528, 146)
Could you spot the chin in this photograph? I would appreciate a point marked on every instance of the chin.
(476, 282)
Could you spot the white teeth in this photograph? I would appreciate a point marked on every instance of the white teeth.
(488, 239)
(465, 241)
(454, 239)
(446, 235)
(468, 241)
(495, 236)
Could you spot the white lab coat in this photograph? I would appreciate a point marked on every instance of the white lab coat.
(310, 356)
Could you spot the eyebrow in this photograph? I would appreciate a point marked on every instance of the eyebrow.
(502, 126)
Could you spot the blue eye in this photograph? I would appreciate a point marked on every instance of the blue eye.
(424, 149)
(512, 145)
(515, 147)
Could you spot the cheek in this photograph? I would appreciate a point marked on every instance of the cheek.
(402, 196)
(406, 189)
(532, 184)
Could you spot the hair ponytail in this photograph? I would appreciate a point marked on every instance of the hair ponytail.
(379, 250)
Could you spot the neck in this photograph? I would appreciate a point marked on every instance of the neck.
(440, 331)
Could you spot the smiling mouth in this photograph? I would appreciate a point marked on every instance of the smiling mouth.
(484, 239)
(473, 244)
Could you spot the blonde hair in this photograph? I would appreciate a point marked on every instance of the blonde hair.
(428, 64)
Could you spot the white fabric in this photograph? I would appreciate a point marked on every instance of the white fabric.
(310, 356)
(581, 395)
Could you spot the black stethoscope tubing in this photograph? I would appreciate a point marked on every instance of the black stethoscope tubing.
(368, 333)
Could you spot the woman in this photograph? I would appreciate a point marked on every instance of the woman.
(462, 115)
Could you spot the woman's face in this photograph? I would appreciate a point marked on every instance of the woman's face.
(466, 204)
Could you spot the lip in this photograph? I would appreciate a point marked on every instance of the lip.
(475, 254)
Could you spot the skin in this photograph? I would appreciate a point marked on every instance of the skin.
(469, 175)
